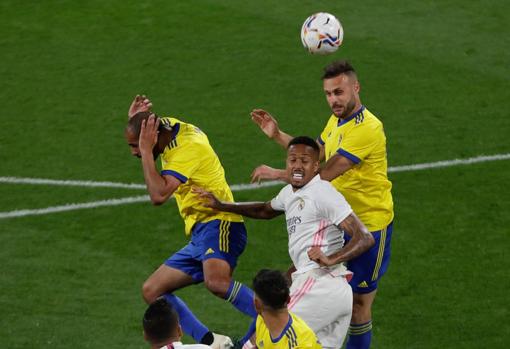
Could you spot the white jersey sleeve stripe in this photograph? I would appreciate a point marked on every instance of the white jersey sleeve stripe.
(319, 235)
(316, 235)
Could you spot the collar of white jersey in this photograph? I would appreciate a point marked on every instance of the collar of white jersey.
(314, 180)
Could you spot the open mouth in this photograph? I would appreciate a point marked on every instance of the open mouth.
(297, 175)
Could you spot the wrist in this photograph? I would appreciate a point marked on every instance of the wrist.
(146, 153)
(282, 175)
(277, 136)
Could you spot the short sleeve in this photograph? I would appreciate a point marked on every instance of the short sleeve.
(181, 162)
(332, 205)
(360, 142)
(278, 202)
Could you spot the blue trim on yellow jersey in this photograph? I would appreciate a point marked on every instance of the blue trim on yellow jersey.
(319, 139)
(292, 336)
(349, 156)
(349, 118)
(176, 174)
(276, 340)
(176, 128)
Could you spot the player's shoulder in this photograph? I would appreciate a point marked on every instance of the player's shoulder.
(319, 186)
(364, 127)
(324, 194)
(285, 192)
(182, 127)
(171, 121)
(368, 119)
(304, 334)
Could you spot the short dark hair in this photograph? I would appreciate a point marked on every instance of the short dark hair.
(160, 321)
(337, 68)
(272, 288)
(306, 141)
(135, 122)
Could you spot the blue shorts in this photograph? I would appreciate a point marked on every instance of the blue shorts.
(215, 239)
(371, 265)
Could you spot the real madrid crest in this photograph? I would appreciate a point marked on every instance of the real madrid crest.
(301, 204)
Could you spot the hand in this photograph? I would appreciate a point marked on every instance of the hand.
(266, 122)
(209, 199)
(148, 134)
(316, 255)
(139, 104)
(264, 172)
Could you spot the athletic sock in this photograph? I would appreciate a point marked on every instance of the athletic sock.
(189, 322)
(359, 336)
(241, 297)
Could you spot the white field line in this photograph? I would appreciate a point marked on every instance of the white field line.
(235, 187)
(448, 163)
(71, 207)
(71, 183)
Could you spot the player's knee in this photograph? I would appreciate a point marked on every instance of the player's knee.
(149, 292)
(219, 287)
(361, 312)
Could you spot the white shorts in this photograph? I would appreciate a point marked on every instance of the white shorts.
(324, 302)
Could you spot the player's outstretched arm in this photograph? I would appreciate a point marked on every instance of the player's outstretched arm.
(139, 104)
(269, 126)
(160, 188)
(335, 166)
(258, 210)
(264, 172)
(360, 242)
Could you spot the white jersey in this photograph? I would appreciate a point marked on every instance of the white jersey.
(313, 213)
(179, 345)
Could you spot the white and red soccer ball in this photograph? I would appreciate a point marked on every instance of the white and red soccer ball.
(322, 33)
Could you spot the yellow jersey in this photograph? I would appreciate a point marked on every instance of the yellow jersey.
(190, 158)
(296, 334)
(366, 187)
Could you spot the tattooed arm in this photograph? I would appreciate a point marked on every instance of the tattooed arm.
(360, 242)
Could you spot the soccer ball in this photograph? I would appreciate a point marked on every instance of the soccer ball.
(322, 33)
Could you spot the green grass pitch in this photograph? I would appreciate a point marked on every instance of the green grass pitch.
(436, 72)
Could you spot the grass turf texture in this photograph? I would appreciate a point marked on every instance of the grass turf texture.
(435, 72)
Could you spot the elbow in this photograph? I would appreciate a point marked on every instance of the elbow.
(267, 215)
(264, 216)
(369, 240)
(157, 200)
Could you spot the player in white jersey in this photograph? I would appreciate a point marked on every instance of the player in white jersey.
(161, 327)
(317, 216)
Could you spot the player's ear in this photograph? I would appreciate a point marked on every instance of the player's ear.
(357, 87)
